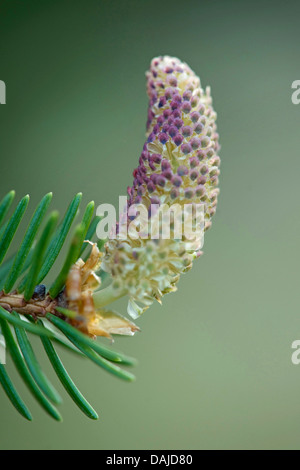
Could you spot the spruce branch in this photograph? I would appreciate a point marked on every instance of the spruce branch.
(179, 165)
(33, 308)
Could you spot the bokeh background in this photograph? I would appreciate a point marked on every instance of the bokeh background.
(215, 368)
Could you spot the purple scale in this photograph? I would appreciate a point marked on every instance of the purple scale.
(174, 104)
(194, 162)
(201, 180)
(160, 120)
(153, 99)
(182, 170)
(165, 164)
(201, 155)
(155, 200)
(153, 178)
(151, 137)
(203, 169)
(155, 158)
(178, 123)
(186, 107)
(167, 113)
(200, 190)
(214, 180)
(141, 191)
(176, 113)
(186, 148)
(195, 116)
(162, 102)
(214, 171)
(150, 114)
(186, 131)
(163, 138)
(169, 93)
(194, 175)
(216, 161)
(205, 142)
(174, 193)
(169, 70)
(187, 95)
(156, 129)
(198, 128)
(201, 108)
(150, 187)
(195, 143)
(168, 174)
(176, 181)
(189, 193)
(177, 98)
(172, 131)
(178, 139)
(172, 81)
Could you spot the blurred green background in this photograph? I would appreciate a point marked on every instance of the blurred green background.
(215, 366)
